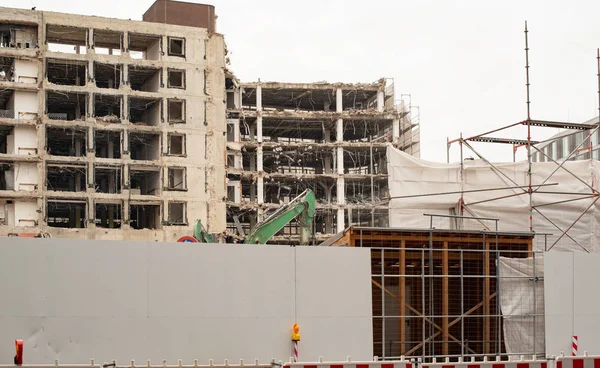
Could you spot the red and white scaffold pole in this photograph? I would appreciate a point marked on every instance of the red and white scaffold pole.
(295, 341)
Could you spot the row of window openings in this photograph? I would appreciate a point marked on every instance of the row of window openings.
(109, 179)
(108, 144)
(75, 40)
(140, 78)
(67, 214)
(71, 106)
(141, 46)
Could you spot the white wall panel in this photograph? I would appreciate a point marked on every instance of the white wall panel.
(572, 296)
(74, 300)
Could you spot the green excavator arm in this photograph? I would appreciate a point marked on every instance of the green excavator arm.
(201, 235)
(302, 207)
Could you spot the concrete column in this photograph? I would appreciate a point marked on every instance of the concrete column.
(125, 141)
(395, 130)
(125, 76)
(341, 192)
(125, 44)
(341, 201)
(125, 174)
(90, 40)
(260, 195)
(90, 178)
(91, 209)
(380, 101)
(259, 127)
(125, 215)
(340, 220)
(259, 159)
(340, 122)
(340, 160)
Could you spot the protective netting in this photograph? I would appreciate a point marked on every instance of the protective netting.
(568, 205)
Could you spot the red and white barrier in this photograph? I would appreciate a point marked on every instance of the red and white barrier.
(575, 345)
(405, 363)
(488, 364)
(350, 364)
(581, 361)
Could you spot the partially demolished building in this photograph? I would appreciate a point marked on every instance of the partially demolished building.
(112, 129)
(120, 129)
(286, 137)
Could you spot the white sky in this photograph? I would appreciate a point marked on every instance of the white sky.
(461, 61)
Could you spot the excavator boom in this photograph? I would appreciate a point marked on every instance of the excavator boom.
(302, 207)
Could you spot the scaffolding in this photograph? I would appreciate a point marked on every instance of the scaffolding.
(447, 293)
(531, 145)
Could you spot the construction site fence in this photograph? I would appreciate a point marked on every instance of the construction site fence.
(584, 361)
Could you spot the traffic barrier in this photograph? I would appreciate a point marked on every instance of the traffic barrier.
(148, 364)
(446, 363)
(350, 364)
(498, 363)
(581, 361)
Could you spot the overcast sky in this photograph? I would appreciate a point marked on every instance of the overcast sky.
(462, 62)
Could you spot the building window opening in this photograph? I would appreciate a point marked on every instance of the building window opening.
(177, 178)
(66, 178)
(107, 143)
(176, 111)
(176, 78)
(108, 42)
(144, 180)
(7, 69)
(71, 40)
(107, 179)
(144, 146)
(144, 216)
(176, 144)
(7, 104)
(108, 215)
(66, 141)
(177, 213)
(7, 176)
(145, 111)
(143, 46)
(144, 78)
(108, 75)
(6, 136)
(66, 105)
(107, 108)
(66, 214)
(176, 46)
(66, 72)
(18, 36)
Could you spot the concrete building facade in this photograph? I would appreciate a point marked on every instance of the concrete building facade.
(283, 138)
(110, 129)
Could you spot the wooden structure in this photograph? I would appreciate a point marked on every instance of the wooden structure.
(435, 292)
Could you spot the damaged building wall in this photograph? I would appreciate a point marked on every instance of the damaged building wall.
(104, 158)
(329, 137)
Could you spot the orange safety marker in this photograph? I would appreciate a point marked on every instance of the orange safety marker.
(295, 340)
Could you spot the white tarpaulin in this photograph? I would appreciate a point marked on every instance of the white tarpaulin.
(412, 176)
(522, 304)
